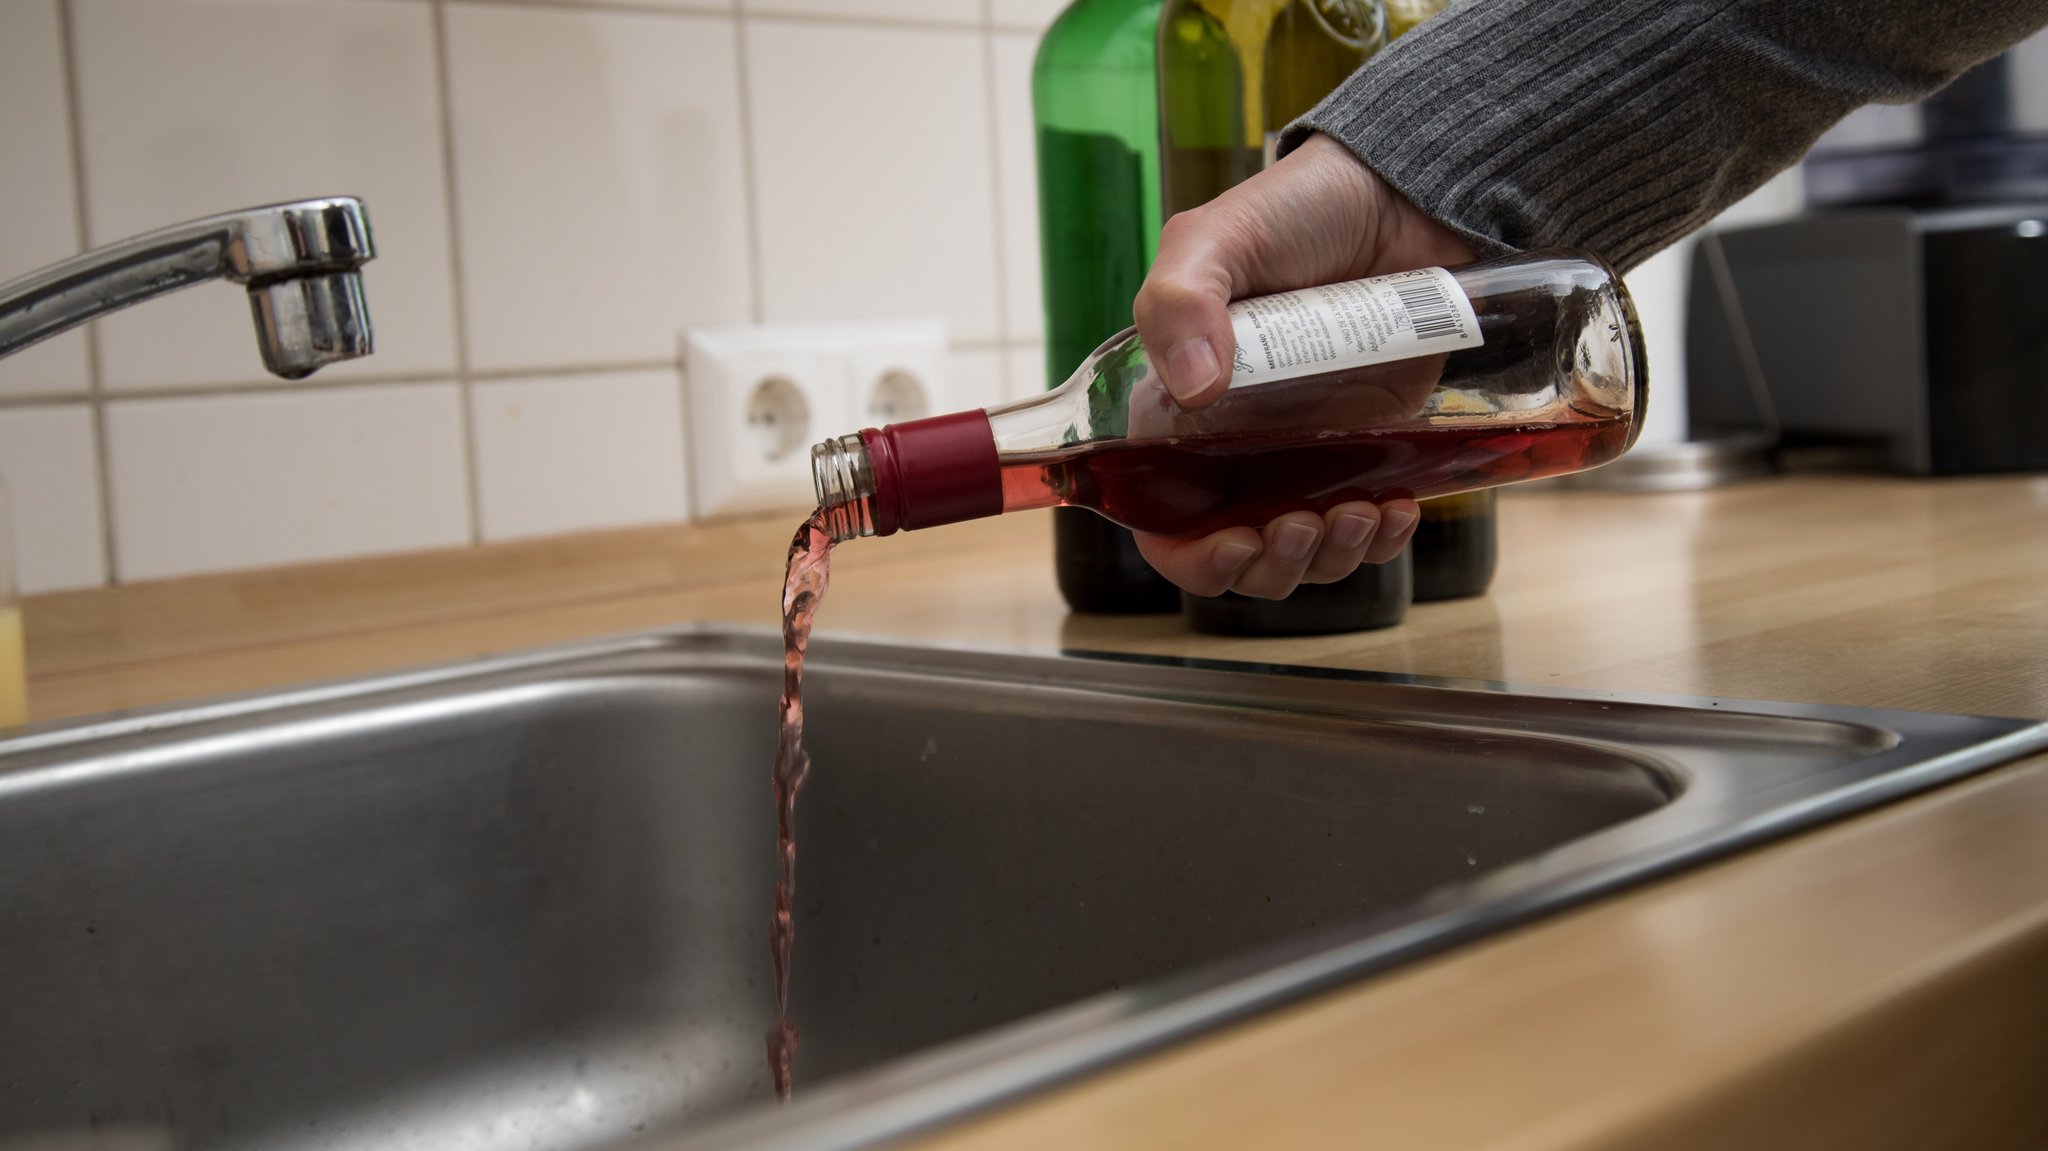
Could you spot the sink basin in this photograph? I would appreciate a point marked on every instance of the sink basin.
(523, 902)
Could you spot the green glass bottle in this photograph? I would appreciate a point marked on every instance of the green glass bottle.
(1094, 96)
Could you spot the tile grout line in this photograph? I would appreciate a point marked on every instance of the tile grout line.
(272, 387)
(729, 11)
(993, 117)
(464, 381)
(257, 386)
(95, 387)
(614, 6)
(750, 179)
(977, 24)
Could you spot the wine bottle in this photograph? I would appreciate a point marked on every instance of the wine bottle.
(1418, 384)
(1232, 74)
(1097, 110)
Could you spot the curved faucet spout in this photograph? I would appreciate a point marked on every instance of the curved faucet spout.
(301, 262)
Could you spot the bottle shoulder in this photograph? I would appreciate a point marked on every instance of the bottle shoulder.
(1093, 32)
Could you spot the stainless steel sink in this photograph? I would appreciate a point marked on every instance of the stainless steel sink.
(523, 902)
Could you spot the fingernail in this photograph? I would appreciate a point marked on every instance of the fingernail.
(1229, 559)
(1293, 542)
(1190, 368)
(1400, 521)
(1352, 531)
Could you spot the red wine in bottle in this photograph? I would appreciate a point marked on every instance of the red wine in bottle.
(1419, 384)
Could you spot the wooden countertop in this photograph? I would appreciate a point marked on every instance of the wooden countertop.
(1873, 984)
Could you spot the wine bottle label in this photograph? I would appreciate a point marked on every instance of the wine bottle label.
(1420, 313)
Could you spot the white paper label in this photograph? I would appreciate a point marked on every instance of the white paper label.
(1327, 329)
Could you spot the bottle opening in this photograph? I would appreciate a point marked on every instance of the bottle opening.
(845, 485)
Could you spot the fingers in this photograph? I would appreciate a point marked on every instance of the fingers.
(1291, 542)
(1347, 530)
(1182, 310)
(1208, 565)
(1296, 548)
(1266, 564)
(1398, 519)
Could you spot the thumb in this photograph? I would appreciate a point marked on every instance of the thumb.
(1182, 309)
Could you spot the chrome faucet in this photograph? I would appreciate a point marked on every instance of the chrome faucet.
(301, 261)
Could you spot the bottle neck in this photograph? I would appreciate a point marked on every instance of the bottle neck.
(845, 485)
(918, 474)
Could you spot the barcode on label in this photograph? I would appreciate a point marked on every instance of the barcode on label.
(1430, 312)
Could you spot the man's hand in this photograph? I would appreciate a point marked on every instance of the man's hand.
(1316, 217)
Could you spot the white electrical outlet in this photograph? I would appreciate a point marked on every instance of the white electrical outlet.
(897, 372)
(755, 409)
(760, 396)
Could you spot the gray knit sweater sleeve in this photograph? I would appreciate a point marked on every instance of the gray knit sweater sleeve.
(1620, 125)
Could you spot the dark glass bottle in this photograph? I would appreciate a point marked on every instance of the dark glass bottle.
(1096, 103)
(1456, 546)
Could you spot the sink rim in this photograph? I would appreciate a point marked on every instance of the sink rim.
(1708, 815)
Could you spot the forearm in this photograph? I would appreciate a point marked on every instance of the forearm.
(1620, 125)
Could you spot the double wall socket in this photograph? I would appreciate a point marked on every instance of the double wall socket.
(761, 395)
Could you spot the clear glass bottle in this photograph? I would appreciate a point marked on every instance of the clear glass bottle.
(1096, 104)
(1419, 384)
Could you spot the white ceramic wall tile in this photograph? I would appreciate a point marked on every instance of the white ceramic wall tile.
(600, 198)
(201, 106)
(1017, 185)
(1027, 371)
(978, 378)
(657, 5)
(939, 11)
(568, 454)
(52, 476)
(40, 222)
(1031, 15)
(222, 482)
(874, 181)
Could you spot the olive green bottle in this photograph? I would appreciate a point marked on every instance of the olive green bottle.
(1232, 75)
